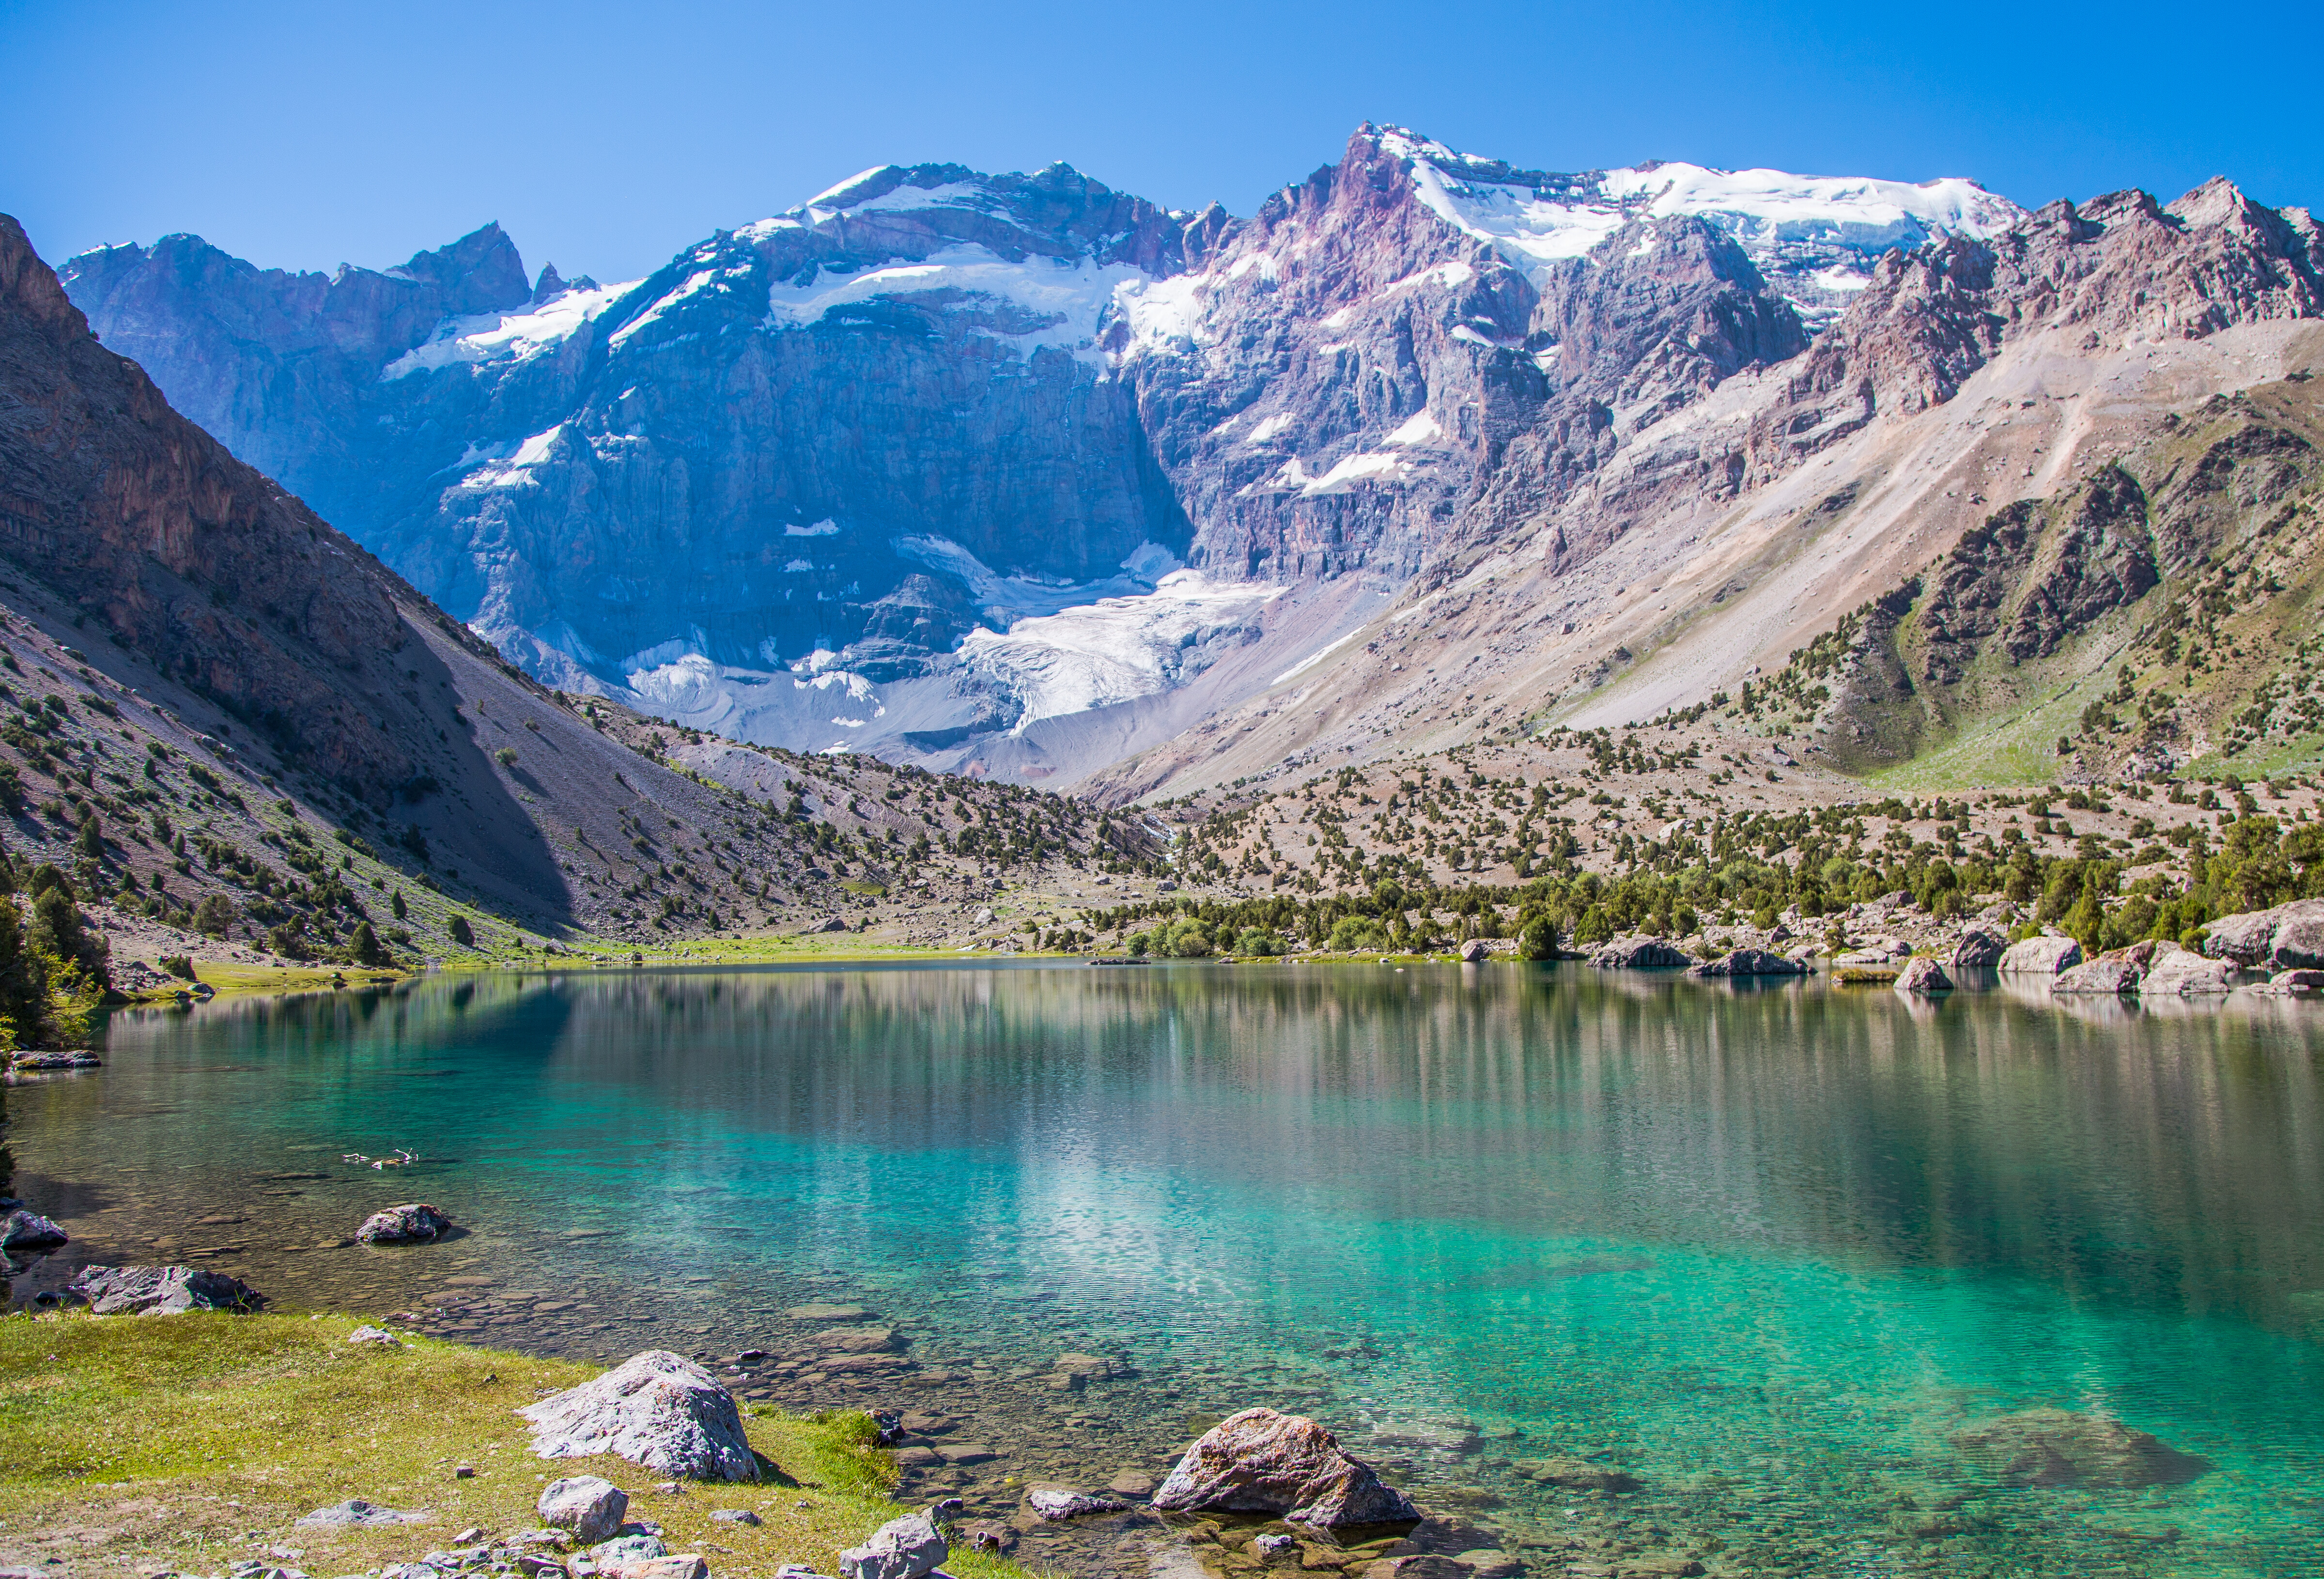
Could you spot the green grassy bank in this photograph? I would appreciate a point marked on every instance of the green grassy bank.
(135, 1445)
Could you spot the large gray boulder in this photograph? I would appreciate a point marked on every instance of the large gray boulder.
(590, 1505)
(1979, 948)
(27, 1234)
(903, 1548)
(162, 1290)
(656, 1408)
(2290, 937)
(2112, 973)
(1750, 962)
(2059, 1448)
(1633, 954)
(2176, 972)
(1262, 1462)
(2045, 956)
(1923, 975)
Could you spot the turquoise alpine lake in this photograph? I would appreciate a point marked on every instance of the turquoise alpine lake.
(1847, 1283)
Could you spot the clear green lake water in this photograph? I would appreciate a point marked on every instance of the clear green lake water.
(1765, 1249)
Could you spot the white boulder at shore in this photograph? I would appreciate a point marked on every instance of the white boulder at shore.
(657, 1410)
(1262, 1462)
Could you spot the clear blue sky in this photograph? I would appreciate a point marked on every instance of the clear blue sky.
(607, 137)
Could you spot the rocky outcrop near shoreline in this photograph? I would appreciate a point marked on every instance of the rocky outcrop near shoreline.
(2290, 937)
(162, 1290)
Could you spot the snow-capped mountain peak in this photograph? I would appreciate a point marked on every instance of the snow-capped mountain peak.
(1813, 238)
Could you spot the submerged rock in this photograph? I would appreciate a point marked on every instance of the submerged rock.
(1923, 975)
(2040, 956)
(162, 1290)
(415, 1223)
(2059, 1448)
(1056, 1504)
(1578, 1474)
(826, 1313)
(1089, 1368)
(1979, 949)
(1262, 1462)
(66, 1058)
(903, 1548)
(656, 1408)
(589, 1506)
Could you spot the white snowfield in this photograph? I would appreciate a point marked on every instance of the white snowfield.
(1762, 208)
(515, 337)
(1115, 650)
(1067, 295)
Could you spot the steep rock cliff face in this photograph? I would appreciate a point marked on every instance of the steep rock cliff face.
(239, 666)
(916, 466)
(184, 553)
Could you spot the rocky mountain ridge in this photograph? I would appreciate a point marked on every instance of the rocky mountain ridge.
(231, 729)
(1015, 473)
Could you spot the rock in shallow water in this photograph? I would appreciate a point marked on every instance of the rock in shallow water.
(1923, 975)
(1262, 1462)
(2181, 972)
(1638, 954)
(414, 1223)
(590, 1505)
(1750, 962)
(656, 1408)
(162, 1290)
(1057, 1503)
(2040, 956)
(1576, 1474)
(2059, 1447)
(1979, 949)
(23, 1233)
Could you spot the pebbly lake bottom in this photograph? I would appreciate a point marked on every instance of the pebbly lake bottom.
(1784, 1255)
